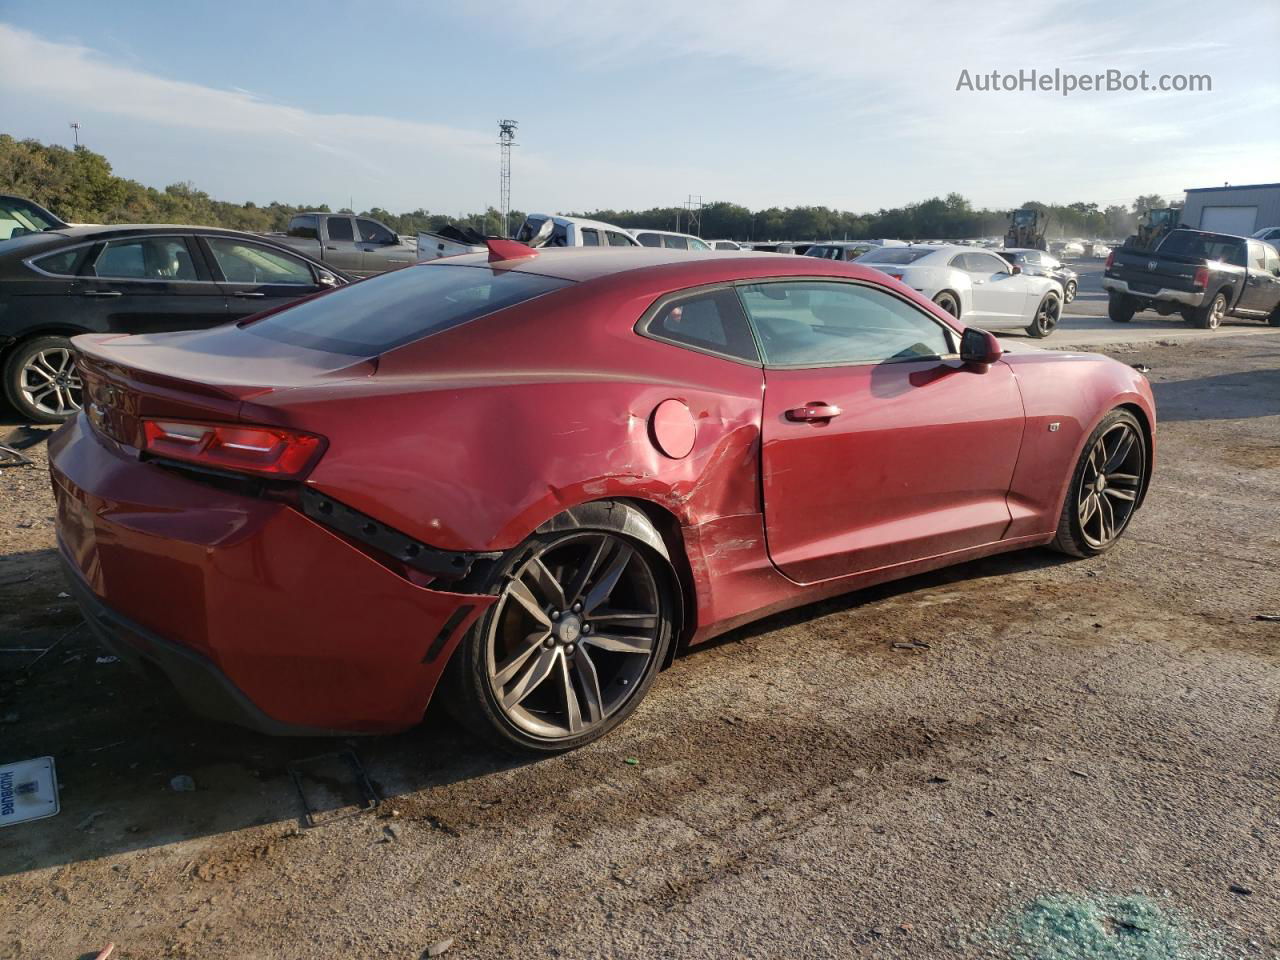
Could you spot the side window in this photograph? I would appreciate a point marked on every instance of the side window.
(340, 228)
(618, 240)
(146, 258)
(649, 239)
(1257, 257)
(810, 323)
(1272, 259)
(63, 263)
(696, 244)
(590, 237)
(305, 227)
(373, 232)
(710, 321)
(675, 243)
(242, 262)
(983, 264)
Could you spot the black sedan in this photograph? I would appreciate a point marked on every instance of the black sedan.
(1037, 263)
(128, 279)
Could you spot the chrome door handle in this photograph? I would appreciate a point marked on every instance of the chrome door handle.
(101, 293)
(245, 293)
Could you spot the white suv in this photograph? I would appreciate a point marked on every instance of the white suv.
(545, 230)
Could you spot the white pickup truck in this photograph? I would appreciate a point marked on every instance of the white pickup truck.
(538, 230)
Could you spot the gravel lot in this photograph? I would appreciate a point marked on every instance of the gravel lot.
(1083, 750)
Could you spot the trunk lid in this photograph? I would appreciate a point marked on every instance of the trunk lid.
(215, 374)
(1149, 272)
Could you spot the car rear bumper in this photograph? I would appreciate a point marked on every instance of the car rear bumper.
(257, 614)
(1190, 299)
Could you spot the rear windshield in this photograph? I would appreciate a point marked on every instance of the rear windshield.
(894, 255)
(1209, 246)
(388, 311)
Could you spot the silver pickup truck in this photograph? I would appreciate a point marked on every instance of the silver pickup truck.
(357, 246)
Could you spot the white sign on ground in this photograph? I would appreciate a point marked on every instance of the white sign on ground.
(28, 791)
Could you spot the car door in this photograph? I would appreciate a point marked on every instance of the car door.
(149, 284)
(341, 251)
(1259, 293)
(380, 249)
(879, 446)
(256, 277)
(998, 293)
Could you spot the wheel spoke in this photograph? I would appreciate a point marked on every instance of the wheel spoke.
(38, 398)
(41, 360)
(572, 709)
(1087, 508)
(585, 573)
(524, 596)
(547, 583)
(619, 643)
(1120, 493)
(628, 618)
(1120, 452)
(32, 368)
(601, 589)
(532, 678)
(532, 643)
(1107, 517)
(1129, 479)
(590, 684)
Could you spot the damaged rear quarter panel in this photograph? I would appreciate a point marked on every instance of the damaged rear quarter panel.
(468, 450)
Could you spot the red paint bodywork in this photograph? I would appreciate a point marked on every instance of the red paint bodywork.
(471, 438)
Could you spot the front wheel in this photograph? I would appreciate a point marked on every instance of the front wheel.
(1046, 318)
(41, 380)
(582, 622)
(1070, 293)
(1211, 315)
(1104, 488)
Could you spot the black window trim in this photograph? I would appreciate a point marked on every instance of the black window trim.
(950, 332)
(197, 258)
(642, 325)
(31, 263)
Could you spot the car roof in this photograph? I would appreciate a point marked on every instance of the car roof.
(666, 233)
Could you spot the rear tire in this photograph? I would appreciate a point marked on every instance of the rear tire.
(948, 302)
(41, 380)
(1211, 315)
(1274, 319)
(582, 624)
(1120, 307)
(1070, 293)
(1046, 318)
(1105, 487)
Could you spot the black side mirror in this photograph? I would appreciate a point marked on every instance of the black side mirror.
(1016, 269)
(978, 346)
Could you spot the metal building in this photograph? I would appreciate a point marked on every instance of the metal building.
(1236, 210)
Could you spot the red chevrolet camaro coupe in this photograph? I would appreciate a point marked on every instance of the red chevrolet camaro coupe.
(530, 478)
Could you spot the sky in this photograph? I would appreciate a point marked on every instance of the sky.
(850, 105)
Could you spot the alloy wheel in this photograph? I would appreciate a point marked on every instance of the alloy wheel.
(573, 633)
(50, 382)
(1109, 485)
(948, 303)
(1047, 315)
(1217, 312)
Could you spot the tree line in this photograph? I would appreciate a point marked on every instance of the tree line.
(78, 185)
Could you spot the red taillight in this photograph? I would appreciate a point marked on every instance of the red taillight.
(1202, 278)
(898, 276)
(268, 451)
(1111, 258)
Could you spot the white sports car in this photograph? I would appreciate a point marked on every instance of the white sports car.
(978, 287)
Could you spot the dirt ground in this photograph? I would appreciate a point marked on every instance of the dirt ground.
(1082, 762)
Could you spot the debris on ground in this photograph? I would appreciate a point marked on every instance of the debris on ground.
(10, 457)
(631, 762)
(1240, 889)
(105, 952)
(28, 791)
(1063, 926)
(439, 948)
(1268, 617)
(910, 645)
(182, 784)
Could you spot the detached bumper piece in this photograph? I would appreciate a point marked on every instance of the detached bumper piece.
(451, 565)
